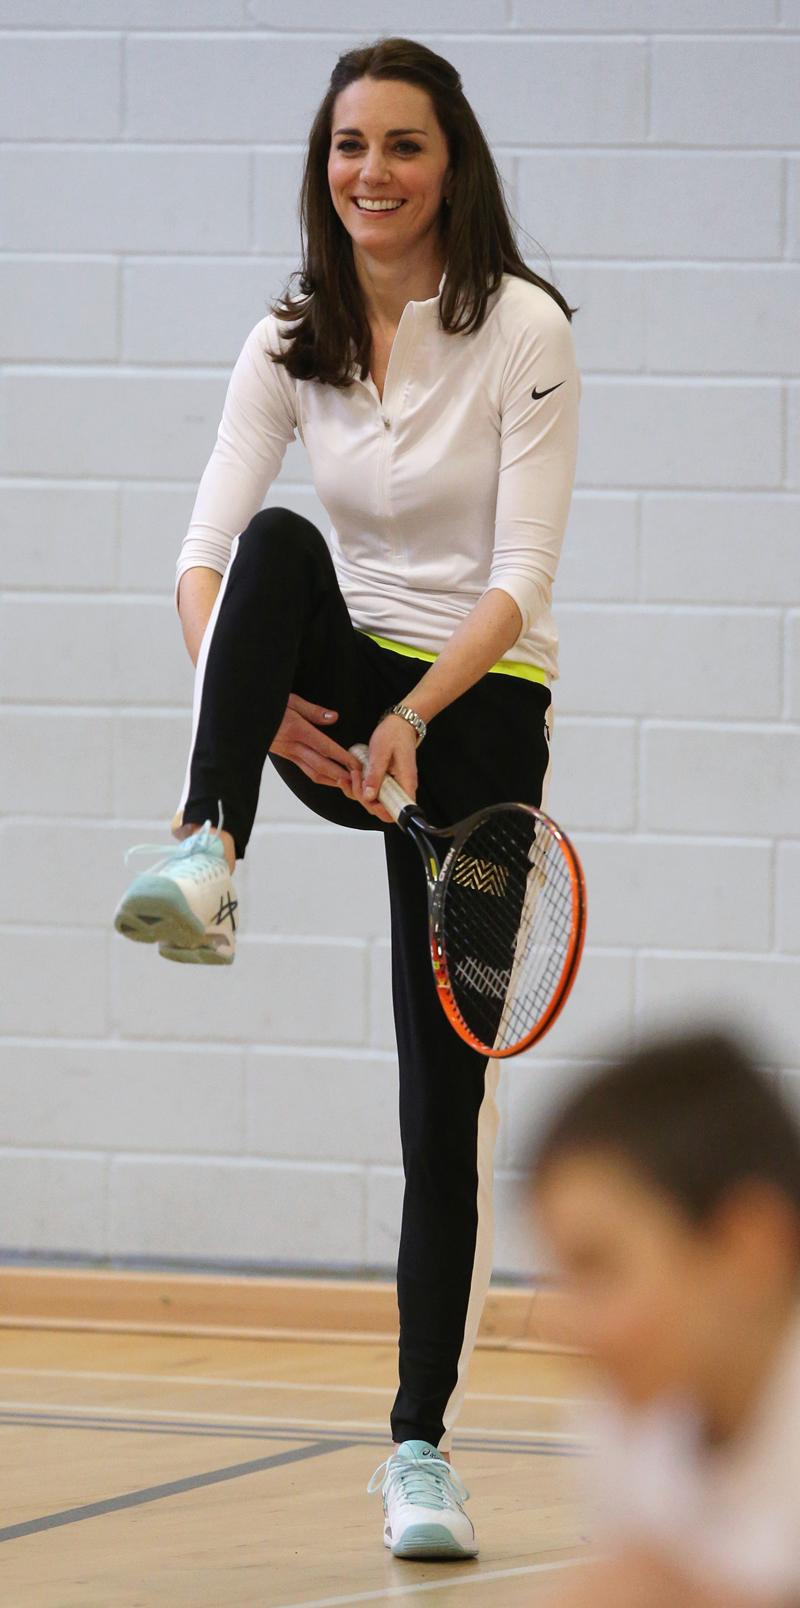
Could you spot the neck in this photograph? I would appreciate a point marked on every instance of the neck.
(386, 286)
(736, 1382)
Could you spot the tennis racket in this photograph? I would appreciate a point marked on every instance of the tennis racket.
(506, 916)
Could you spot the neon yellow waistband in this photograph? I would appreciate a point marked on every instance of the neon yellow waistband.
(505, 667)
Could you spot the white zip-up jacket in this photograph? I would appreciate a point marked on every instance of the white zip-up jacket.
(458, 480)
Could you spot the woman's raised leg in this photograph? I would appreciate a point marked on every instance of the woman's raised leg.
(279, 625)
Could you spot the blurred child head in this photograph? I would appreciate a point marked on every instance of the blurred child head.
(669, 1191)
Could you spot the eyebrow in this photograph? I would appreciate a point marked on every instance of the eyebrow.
(390, 131)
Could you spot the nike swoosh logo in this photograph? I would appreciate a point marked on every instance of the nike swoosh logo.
(536, 394)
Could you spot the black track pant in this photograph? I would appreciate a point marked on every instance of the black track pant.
(281, 625)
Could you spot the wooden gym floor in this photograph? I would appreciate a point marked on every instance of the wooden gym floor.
(199, 1471)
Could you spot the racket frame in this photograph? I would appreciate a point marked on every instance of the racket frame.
(406, 813)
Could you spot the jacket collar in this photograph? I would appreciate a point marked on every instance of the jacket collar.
(431, 302)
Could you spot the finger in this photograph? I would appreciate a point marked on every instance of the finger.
(315, 765)
(309, 742)
(331, 749)
(357, 780)
(351, 787)
(315, 712)
(316, 776)
(377, 810)
(329, 746)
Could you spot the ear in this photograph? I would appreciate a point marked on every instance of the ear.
(758, 1226)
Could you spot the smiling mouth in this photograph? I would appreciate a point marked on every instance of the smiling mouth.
(377, 208)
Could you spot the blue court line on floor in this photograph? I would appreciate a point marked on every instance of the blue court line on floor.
(324, 1441)
(287, 1430)
(156, 1493)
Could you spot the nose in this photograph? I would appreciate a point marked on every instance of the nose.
(373, 167)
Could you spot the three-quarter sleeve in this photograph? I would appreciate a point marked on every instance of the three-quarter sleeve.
(258, 422)
(539, 399)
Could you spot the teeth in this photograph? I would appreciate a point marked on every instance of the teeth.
(378, 206)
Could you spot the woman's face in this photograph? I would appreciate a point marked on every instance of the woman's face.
(386, 145)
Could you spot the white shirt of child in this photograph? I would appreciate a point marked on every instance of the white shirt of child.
(731, 1512)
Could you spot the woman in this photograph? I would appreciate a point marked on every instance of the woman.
(432, 378)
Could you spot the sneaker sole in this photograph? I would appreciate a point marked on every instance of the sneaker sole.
(430, 1541)
(155, 911)
(200, 955)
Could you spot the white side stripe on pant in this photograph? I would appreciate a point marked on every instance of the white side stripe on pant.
(199, 673)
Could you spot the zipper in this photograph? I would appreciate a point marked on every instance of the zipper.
(392, 389)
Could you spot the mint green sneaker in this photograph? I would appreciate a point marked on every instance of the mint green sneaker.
(186, 902)
(422, 1496)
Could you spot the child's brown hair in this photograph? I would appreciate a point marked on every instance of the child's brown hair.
(689, 1111)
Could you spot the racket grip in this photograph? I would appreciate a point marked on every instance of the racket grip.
(392, 796)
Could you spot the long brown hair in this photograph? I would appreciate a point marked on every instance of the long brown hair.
(477, 233)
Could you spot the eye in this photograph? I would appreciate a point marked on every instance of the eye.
(410, 145)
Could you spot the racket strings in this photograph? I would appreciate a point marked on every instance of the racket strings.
(506, 925)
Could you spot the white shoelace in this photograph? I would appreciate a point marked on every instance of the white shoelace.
(198, 844)
(432, 1483)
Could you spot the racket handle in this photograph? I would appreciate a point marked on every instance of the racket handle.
(392, 796)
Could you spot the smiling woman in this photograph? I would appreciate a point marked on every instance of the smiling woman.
(395, 124)
(388, 185)
(432, 378)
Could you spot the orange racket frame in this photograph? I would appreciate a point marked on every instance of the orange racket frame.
(408, 816)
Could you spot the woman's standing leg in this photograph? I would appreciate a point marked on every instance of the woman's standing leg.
(448, 1125)
(490, 745)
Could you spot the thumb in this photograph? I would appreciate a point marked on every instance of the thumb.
(373, 778)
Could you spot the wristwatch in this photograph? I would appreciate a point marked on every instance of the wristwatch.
(411, 716)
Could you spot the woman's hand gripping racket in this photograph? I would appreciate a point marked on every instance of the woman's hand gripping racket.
(507, 917)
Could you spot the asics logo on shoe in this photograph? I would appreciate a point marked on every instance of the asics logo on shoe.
(226, 908)
(536, 394)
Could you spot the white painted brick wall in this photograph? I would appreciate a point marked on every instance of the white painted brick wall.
(650, 147)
